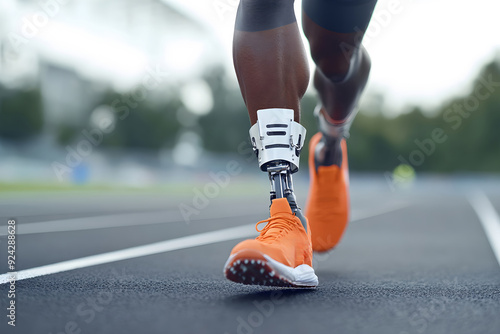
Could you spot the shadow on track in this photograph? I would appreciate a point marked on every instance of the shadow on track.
(272, 294)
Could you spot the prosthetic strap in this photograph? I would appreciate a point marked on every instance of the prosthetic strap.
(276, 137)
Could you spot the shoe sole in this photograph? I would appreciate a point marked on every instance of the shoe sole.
(254, 268)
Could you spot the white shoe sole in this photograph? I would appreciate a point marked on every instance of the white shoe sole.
(269, 272)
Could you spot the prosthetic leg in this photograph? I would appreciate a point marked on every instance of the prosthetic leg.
(277, 141)
(282, 254)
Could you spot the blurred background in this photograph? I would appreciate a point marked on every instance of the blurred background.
(141, 93)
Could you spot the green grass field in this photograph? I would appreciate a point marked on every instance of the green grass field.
(243, 187)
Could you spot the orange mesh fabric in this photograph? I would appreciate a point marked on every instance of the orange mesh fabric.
(327, 208)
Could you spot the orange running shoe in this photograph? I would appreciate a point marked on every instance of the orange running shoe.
(327, 207)
(280, 256)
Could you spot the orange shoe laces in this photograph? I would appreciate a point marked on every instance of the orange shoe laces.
(275, 226)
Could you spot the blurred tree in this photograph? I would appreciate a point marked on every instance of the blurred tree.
(469, 140)
(226, 127)
(140, 123)
(21, 114)
(472, 123)
(469, 124)
(66, 134)
(147, 124)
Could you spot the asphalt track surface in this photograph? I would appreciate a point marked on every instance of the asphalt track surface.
(414, 261)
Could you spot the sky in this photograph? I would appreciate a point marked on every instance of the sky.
(424, 52)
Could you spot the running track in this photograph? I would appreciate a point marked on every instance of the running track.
(422, 260)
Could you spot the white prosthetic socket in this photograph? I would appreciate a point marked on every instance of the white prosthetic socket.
(277, 137)
(277, 141)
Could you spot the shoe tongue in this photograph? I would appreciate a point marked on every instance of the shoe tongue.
(280, 205)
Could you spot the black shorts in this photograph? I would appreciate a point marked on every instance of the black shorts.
(343, 16)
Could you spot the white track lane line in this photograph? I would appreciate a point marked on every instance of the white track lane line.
(151, 249)
(109, 221)
(134, 252)
(359, 215)
(489, 219)
(148, 218)
(97, 222)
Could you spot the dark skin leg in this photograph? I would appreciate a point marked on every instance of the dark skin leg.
(272, 72)
(343, 66)
(272, 68)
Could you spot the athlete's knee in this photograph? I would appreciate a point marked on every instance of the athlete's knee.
(338, 66)
(366, 62)
(334, 66)
(258, 15)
